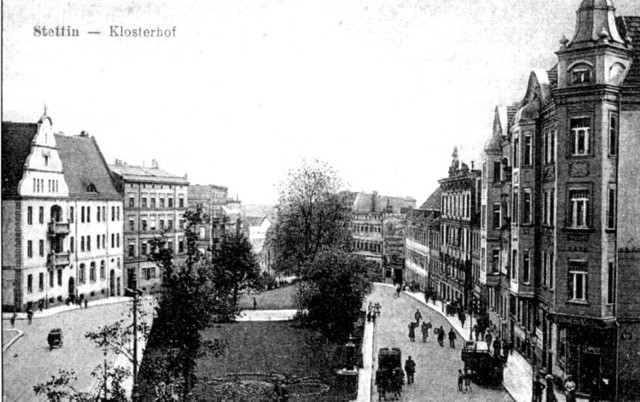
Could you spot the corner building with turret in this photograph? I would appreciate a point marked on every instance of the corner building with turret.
(560, 233)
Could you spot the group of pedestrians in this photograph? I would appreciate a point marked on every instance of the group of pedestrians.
(464, 380)
(373, 311)
(390, 381)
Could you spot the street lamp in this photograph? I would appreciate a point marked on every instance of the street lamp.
(534, 342)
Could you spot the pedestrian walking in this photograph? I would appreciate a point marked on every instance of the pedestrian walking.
(418, 316)
(410, 369)
(373, 318)
(467, 379)
(452, 338)
(425, 331)
(255, 304)
(412, 332)
(538, 388)
(497, 347)
(441, 336)
(370, 307)
(398, 381)
(476, 331)
(377, 307)
(40, 305)
(29, 316)
(86, 303)
(382, 380)
(460, 380)
(13, 319)
(570, 389)
(368, 316)
(397, 290)
(551, 395)
(488, 338)
(526, 345)
(462, 317)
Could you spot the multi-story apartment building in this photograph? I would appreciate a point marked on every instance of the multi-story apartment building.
(460, 233)
(560, 238)
(422, 244)
(213, 199)
(154, 203)
(61, 218)
(378, 226)
(256, 228)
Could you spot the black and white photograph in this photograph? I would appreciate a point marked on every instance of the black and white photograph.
(320, 200)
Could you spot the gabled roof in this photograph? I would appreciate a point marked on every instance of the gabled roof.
(147, 174)
(631, 26)
(511, 113)
(85, 166)
(433, 202)
(16, 147)
(255, 220)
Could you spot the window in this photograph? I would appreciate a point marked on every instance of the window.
(88, 243)
(117, 239)
(98, 242)
(41, 248)
(41, 215)
(611, 208)
(514, 265)
(132, 225)
(613, 134)
(170, 200)
(81, 274)
(131, 202)
(132, 250)
(548, 212)
(117, 213)
(161, 224)
(104, 241)
(579, 205)
(102, 269)
(515, 207)
(526, 207)
(545, 269)
(41, 281)
(496, 216)
(495, 260)
(144, 250)
(88, 214)
(580, 128)
(577, 287)
(581, 75)
(181, 202)
(611, 283)
(98, 214)
(113, 214)
(180, 246)
(51, 279)
(161, 202)
(152, 225)
(526, 267)
(113, 240)
(46, 160)
(527, 154)
(82, 214)
(144, 225)
(81, 243)
(170, 224)
(144, 202)
(30, 283)
(153, 202)
(552, 271)
(71, 214)
(516, 154)
(29, 248)
(59, 277)
(496, 172)
(550, 146)
(92, 272)
(30, 215)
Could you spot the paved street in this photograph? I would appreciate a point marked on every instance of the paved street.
(29, 361)
(437, 367)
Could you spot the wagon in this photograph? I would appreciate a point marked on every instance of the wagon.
(54, 338)
(390, 358)
(484, 366)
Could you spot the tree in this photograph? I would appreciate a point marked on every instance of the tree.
(235, 267)
(185, 308)
(311, 216)
(61, 388)
(333, 291)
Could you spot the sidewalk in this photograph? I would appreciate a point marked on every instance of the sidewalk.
(64, 308)
(266, 315)
(517, 372)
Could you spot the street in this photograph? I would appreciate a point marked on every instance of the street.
(436, 377)
(29, 361)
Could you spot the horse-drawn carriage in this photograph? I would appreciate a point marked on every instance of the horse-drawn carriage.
(389, 376)
(483, 365)
(54, 338)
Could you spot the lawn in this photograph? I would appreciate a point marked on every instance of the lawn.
(276, 299)
(260, 350)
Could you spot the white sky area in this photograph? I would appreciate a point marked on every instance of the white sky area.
(380, 89)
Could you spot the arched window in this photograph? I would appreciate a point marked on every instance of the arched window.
(102, 269)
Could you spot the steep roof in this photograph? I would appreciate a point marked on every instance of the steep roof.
(16, 147)
(255, 220)
(553, 78)
(511, 113)
(433, 202)
(147, 174)
(84, 165)
(630, 25)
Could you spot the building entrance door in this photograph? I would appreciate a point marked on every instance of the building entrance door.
(72, 289)
(112, 283)
(590, 370)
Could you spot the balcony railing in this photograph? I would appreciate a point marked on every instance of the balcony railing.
(58, 228)
(58, 259)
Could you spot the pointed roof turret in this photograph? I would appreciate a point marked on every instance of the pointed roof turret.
(596, 22)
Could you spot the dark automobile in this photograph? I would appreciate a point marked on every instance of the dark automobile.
(54, 338)
(484, 366)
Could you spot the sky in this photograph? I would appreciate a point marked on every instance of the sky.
(382, 90)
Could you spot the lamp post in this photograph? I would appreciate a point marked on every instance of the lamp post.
(104, 353)
(534, 342)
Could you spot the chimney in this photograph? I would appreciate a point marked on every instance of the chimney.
(374, 201)
(154, 163)
(84, 134)
(118, 162)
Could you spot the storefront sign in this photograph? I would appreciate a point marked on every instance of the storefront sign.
(581, 321)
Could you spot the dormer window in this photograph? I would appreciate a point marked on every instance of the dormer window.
(580, 72)
(46, 160)
(91, 188)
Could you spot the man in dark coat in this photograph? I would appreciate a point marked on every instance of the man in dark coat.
(441, 336)
(452, 338)
(412, 331)
(425, 331)
(538, 388)
(397, 379)
(382, 382)
(410, 369)
(418, 316)
(497, 347)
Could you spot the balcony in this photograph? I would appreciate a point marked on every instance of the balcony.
(55, 260)
(58, 228)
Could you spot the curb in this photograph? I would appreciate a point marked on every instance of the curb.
(14, 339)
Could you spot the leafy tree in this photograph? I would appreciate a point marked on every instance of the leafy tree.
(333, 291)
(235, 267)
(185, 308)
(60, 388)
(311, 216)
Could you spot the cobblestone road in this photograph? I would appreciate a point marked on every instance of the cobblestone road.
(436, 377)
(29, 361)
